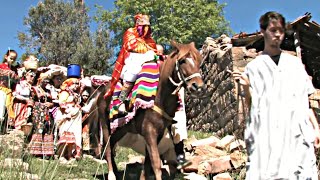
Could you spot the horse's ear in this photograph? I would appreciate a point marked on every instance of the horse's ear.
(174, 53)
(174, 44)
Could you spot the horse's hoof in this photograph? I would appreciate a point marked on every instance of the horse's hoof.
(111, 176)
(77, 158)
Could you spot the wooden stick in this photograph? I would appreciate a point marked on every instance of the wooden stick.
(297, 44)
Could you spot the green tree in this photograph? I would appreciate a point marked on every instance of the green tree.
(183, 21)
(59, 33)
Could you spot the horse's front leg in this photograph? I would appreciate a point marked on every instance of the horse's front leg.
(108, 151)
(153, 154)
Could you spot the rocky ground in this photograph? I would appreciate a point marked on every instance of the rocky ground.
(211, 157)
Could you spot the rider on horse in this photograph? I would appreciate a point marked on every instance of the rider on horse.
(137, 48)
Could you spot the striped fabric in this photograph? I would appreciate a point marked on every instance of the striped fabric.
(41, 145)
(142, 96)
(67, 138)
(145, 87)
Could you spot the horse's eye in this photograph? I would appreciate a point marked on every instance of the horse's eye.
(181, 61)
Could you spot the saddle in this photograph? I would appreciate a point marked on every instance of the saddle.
(142, 94)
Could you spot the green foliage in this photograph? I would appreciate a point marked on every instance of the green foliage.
(58, 33)
(183, 21)
(199, 134)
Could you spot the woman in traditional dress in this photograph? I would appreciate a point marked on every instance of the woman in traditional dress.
(42, 139)
(56, 74)
(23, 102)
(137, 41)
(85, 107)
(69, 119)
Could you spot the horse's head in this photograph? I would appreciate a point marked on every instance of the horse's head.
(187, 66)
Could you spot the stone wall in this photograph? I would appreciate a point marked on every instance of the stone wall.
(220, 109)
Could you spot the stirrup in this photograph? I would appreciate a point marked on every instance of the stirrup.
(182, 162)
(182, 165)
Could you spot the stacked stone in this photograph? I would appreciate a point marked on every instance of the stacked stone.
(221, 109)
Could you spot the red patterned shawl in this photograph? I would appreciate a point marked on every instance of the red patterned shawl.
(131, 43)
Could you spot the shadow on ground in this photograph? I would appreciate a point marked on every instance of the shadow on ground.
(132, 172)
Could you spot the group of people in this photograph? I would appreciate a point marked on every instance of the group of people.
(47, 104)
(50, 106)
(280, 133)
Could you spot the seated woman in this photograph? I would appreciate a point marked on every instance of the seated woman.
(69, 120)
(42, 139)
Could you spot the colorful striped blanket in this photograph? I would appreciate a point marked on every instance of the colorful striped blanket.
(142, 95)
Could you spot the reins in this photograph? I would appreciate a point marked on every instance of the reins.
(163, 114)
(182, 79)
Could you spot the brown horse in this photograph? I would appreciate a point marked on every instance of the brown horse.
(92, 119)
(180, 69)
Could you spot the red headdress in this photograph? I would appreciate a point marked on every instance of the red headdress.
(141, 19)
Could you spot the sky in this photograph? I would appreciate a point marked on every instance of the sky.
(243, 15)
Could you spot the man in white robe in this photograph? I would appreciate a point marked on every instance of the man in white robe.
(279, 134)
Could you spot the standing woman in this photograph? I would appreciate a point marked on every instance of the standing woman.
(23, 102)
(55, 83)
(57, 74)
(42, 140)
(6, 76)
(56, 79)
(7, 66)
(69, 120)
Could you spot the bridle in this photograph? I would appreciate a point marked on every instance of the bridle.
(182, 82)
(182, 79)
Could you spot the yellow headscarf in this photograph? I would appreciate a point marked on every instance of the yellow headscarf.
(68, 82)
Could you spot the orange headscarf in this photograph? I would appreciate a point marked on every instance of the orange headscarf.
(68, 82)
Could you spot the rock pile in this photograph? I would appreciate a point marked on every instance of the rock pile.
(214, 156)
(12, 151)
(12, 144)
